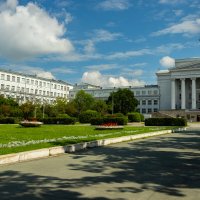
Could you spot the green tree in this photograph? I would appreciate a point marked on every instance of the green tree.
(83, 101)
(28, 110)
(60, 105)
(122, 101)
(100, 106)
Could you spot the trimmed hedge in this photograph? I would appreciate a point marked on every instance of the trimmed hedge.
(134, 117)
(106, 120)
(85, 117)
(57, 120)
(7, 120)
(165, 122)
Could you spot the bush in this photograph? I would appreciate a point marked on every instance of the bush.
(165, 122)
(7, 120)
(63, 116)
(56, 120)
(86, 116)
(134, 117)
(106, 120)
(141, 117)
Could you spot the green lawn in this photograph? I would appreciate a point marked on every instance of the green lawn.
(14, 138)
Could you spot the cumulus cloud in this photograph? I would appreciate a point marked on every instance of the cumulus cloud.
(114, 5)
(29, 31)
(96, 78)
(167, 62)
(187, 27)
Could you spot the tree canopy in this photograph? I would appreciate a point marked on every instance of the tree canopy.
(122, 101)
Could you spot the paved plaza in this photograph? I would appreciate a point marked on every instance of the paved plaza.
(158, 168)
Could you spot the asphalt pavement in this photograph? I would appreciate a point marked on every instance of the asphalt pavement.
(158, 168)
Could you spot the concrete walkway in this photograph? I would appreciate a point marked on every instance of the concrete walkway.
(159, 168)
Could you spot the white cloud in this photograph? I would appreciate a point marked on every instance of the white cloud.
(96, 78)
(167, 62)
(114, 5)
(171, 1)
(29, 31)
(187, 27)
(47, 75)
(101, 67)
(62, 70)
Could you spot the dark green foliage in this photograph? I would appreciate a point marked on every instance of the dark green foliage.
(106, 120)
(83, 101)
(7, 120)
(63, 116)
(134, 117)
(86, 116)
(100, 106)
(165, 122)
(56, 120)
(122, 101)
(142, 117)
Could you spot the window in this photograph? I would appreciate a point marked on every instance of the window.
(2, 76)
(31, 91)
(155, 102)
(155, 109)
(18, 79)
(22, 89)
(47, 93)
(58, 87)
(36, 82)
(54, 94)
(27, 90)
(36, 91)
(40, 92)
(13, 78)
(143, 92)
(61, 87)
(55, 86)
(137, 93)
(47, 84)
(27, 81)
(8, 77)
(23, 80)
(143, 110)
(18, 89)
(65, 88)
(13, 88)
(7, 87)
(44, 93)
(44, 84)
(149, 110)
(149, 92)
(144, 102)
(32, 82)
(40, 83)
(51, 94)
(2, 86)
(149, 102)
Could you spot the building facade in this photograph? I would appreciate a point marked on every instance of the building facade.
(180, 86)
(147, 96)
(23, 87)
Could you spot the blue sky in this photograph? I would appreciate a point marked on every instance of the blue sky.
(102, 42)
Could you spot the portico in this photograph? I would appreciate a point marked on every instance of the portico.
(183, 93)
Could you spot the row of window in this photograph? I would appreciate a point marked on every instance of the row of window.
(148, 102)
(31, 91)
(33, 82)
(144, 92)
(149, 110)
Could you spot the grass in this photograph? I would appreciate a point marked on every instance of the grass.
(15, 133)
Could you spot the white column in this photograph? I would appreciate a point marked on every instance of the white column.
(182, 93)
(173, 95)
(194, 105)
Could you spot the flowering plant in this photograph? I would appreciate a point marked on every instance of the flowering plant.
(109, 124)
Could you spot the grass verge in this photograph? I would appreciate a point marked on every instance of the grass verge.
(14, 138)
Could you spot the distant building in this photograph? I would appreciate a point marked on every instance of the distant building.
(148, 96)
(24, 87)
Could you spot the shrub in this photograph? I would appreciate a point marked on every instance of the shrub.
(165, 122)
(7, 120)
(56, 120)
(106, 120)
(63, 116)
(134, 117)
(86, 116)
(141, 117)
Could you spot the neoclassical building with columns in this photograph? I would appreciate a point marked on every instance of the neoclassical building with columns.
(180, 86)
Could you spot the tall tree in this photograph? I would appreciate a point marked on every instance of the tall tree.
(83, 101)
(122, 101)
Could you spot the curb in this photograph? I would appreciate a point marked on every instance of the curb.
(53, 151)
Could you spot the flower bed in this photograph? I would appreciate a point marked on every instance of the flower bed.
(30, 123)
(111, 125)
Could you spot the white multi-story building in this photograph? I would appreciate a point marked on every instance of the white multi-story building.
(148, 96)
(23, 87)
